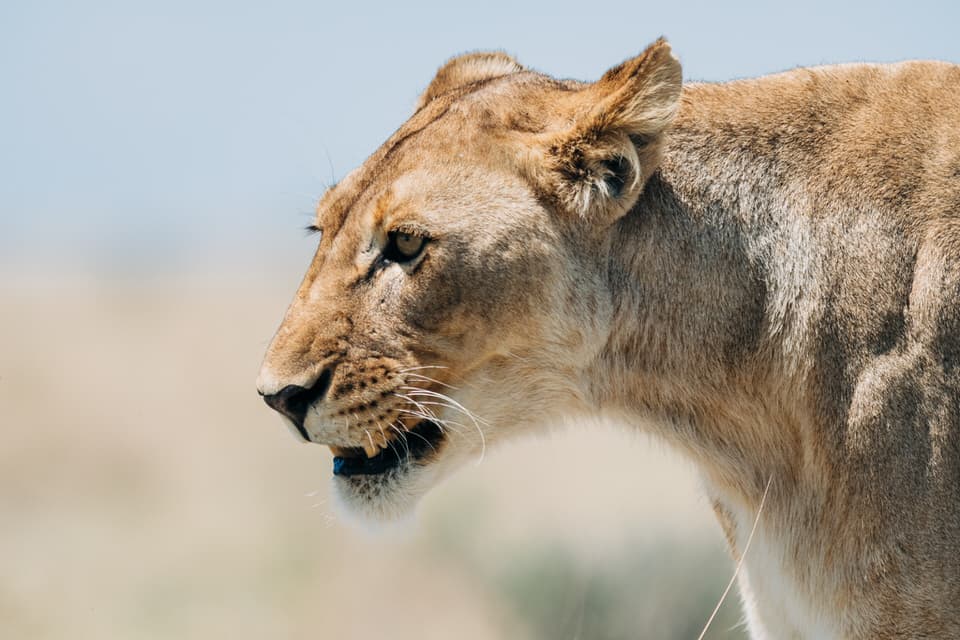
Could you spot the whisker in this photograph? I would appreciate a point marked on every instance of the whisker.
(429, 444)
(426, 366)
(433, 380)
(416, 391)
(386, 440)
(418, 405)
(432, 418)
(402, 437)
(743, 555)
(440, 422)
(430, 403)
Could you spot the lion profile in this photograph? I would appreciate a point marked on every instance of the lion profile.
(765, 273)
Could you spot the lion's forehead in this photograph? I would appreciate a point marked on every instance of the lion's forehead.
(442, 181)
(451, 139)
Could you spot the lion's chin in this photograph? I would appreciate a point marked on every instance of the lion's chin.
(386, 488)
(385, 485)
(390, 497)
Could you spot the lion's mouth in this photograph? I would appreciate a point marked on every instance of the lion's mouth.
(418, 443)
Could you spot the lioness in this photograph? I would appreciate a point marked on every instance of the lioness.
(762, 272)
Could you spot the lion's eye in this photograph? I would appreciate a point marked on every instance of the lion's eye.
(403, 247)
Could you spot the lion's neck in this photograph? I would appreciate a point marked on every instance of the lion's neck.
(710, 312)
(766, 321)
(707, 344)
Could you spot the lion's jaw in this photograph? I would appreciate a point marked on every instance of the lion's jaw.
(499, 403)
(457, 296)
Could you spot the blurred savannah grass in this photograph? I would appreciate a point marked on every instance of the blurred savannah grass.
(146, 492)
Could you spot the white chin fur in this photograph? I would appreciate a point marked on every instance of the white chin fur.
(373, 501)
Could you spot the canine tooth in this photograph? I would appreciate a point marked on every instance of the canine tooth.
(338, 451)
(371, 449)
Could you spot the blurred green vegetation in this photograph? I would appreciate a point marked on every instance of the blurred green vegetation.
(637, 589)
(657, 591)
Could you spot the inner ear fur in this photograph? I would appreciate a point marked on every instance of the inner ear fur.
(466, 69)
(599, 163)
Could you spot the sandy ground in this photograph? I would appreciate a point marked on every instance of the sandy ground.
(147, 492)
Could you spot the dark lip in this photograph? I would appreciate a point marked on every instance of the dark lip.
(423, 440)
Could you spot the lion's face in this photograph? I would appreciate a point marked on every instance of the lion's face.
(457, 294)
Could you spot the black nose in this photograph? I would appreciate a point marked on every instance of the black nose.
(294, 401)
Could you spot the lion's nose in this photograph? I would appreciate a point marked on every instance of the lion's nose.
(294, 401)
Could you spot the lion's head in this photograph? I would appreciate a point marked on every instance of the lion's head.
(458, 294)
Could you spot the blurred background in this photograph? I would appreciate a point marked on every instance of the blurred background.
(158, 161)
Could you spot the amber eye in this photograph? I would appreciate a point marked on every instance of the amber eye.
(403, 247)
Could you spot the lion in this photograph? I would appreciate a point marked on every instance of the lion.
(764, 273)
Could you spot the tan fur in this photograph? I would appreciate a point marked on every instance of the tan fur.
(766, 273)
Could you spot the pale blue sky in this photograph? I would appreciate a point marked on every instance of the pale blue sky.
(189, 135)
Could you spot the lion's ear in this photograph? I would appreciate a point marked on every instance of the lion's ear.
(466, 69)
(600, 162)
